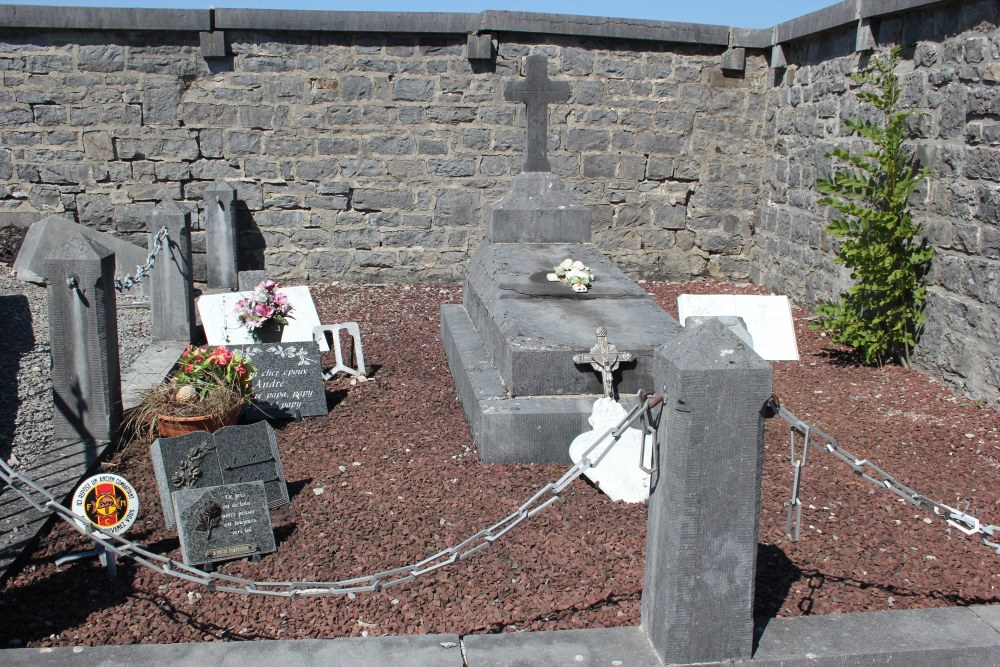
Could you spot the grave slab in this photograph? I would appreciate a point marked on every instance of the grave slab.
(220, 523)
(768, 319)
(508, 429)
(231, 455)
(289, 380)
(222, 326)
(532, 327)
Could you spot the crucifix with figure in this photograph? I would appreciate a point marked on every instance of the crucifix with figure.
(536, 91)
(605, 359)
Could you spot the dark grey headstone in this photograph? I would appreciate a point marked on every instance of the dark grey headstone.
(231, 455)
(288, 382)
(218, 523)
(248, 280)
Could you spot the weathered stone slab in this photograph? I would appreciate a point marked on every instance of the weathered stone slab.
(537, 209)
(222, 326)
(768, 319)
(533, 330)
(219, 523)
(50, 234)
(288, 382)
(231, 455)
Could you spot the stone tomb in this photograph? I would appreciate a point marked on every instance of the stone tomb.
(288, 383)
(511, 344)
(231, 455)
(222, 326)
(218, 523)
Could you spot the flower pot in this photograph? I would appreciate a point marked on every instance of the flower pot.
(171, 427)
(269, 332)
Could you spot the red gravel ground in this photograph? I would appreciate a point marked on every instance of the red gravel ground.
(401, 480)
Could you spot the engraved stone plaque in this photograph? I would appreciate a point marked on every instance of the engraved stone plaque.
(218, 523)
(231, 455)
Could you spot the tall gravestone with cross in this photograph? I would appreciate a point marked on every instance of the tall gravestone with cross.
(511, 344)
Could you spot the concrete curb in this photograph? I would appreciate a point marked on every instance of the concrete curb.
(956, 637)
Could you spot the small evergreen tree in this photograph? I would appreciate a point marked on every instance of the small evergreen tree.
(880, 315)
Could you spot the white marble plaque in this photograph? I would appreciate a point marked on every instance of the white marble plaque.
(618, 474)
(768, 319)
(222, 326)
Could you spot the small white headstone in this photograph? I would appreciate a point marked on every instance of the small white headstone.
(618, 474)
(768, 319)
(222, 326)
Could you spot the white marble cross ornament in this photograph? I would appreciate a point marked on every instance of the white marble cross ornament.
(536, 91)
(605, 358)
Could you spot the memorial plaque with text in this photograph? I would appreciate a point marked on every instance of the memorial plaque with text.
(218, 523)
(288, 382)
(230, 455)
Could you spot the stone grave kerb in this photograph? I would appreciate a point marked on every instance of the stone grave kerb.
(537, 208)
(704, 505)
(83, 332)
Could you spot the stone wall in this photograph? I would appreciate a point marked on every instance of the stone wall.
(951, 77)
(367, 156)
(365, 146)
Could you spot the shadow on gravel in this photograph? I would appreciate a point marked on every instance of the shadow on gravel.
(18, 341)
(775, 576)
(82, 586)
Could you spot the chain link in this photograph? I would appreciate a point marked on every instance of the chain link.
(141, 271)
(812, 436)
(43, 501)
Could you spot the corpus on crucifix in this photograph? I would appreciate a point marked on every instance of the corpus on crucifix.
(536, 91)
(605, 358)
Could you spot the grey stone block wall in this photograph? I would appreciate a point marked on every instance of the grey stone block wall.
(950, 73)
(372, 157)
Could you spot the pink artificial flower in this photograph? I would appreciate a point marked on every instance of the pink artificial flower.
(268, 285)
(189, 368)
(279, 299)
(241, 371)
(264, 311)
(221, 356)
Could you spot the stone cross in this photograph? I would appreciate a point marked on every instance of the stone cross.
(605, 359)
(536, 91)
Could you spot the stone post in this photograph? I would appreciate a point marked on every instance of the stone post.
(172, 280)
(704, 507)
(220, 235)
(83, 334)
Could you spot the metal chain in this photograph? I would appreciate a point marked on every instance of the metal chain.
(42, 500)
(809, 434)
(122, 284)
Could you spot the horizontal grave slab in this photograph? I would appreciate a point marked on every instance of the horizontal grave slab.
(218, 523)
(288, 382)
(231, 455)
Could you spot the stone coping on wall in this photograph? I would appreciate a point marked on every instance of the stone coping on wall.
(104, 18)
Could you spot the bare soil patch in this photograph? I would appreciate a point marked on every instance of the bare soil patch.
(400, 480)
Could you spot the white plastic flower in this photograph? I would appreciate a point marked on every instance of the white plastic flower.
(579, 266)
(566, 264)
(579, 287)
(552, 277)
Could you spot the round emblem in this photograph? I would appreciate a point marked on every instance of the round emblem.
(108, 502)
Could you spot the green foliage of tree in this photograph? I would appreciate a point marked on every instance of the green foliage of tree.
(881, 314)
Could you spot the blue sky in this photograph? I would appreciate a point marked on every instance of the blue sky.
(740, 13)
